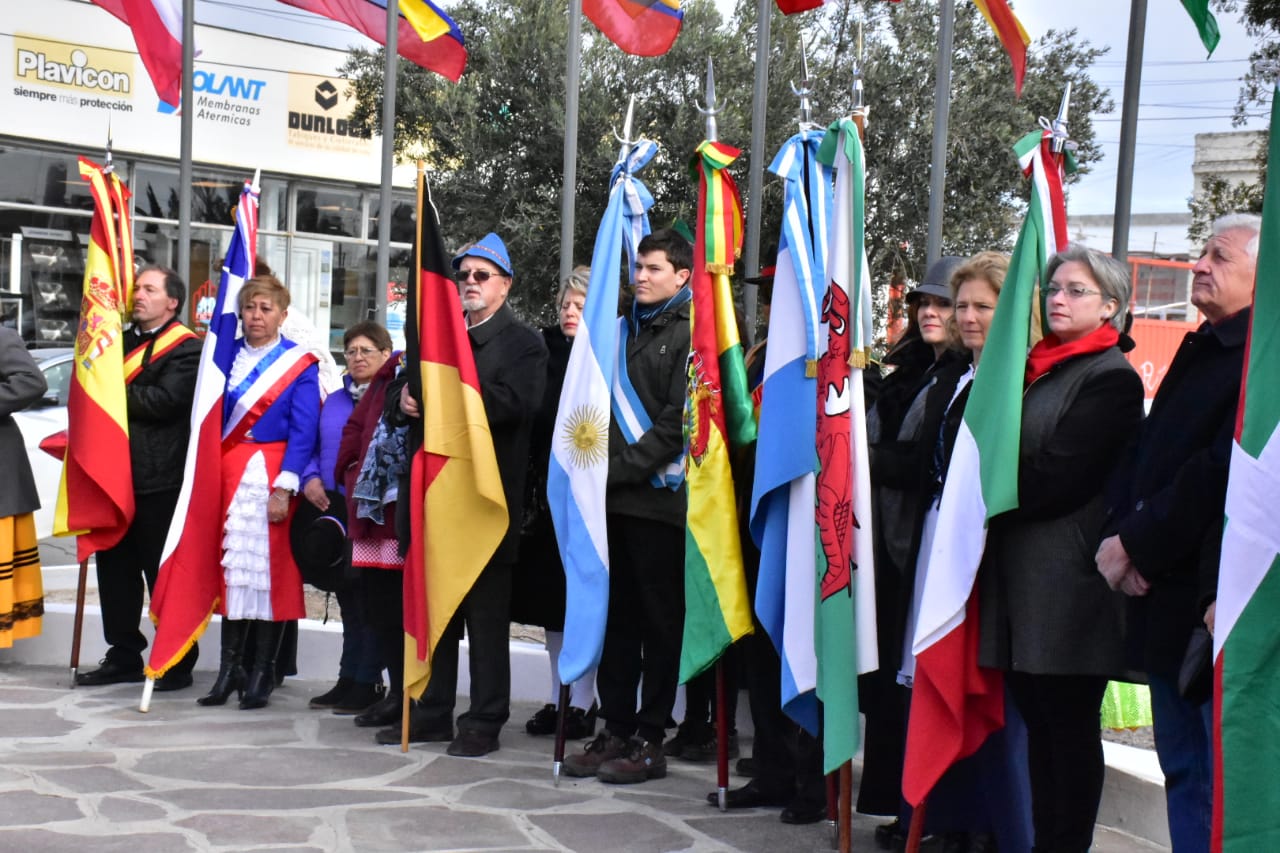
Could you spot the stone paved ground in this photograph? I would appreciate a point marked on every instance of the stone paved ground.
(84, 770)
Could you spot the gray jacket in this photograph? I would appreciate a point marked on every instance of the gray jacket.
(21, 384)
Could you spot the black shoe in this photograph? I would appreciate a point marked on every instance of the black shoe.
(471, 744)
(109, 672)
(891, 836)
(580, 724)
(360, 698)
(749, 796)
(417, 734)
(674, 747)
(384, 713)
(543, 721)
(701, 753)
(801, 812)
(173, 681)
(333, 696)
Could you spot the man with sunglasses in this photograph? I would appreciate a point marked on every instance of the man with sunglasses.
(511, 364)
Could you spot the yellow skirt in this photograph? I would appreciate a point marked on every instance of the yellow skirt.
(21, 591)
(1126, 706)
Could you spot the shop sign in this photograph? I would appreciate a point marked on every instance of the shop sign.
(78, 75)
(319, 116)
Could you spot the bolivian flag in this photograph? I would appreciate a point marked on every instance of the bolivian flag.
(95, 496)
(718, 411)
(457, 508)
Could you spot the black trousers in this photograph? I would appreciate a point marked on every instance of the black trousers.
(643, 634)
(124, 569)
(1064, 749)
(486, 613)
(383, 593)
(699, 724)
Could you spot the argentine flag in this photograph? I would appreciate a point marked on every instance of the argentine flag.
(579, 465)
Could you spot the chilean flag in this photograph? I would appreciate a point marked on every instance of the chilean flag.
(157, 30)
(187, 590)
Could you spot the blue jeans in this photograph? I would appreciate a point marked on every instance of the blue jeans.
(1184, 744)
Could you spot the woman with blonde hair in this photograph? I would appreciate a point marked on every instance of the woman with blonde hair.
(271, 413)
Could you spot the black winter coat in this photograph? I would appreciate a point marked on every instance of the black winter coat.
(159, 401)
(656, 360)
(1167, 497)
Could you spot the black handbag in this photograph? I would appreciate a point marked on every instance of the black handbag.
(1195, 676)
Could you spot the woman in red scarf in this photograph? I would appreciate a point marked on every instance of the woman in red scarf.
(1048, 618)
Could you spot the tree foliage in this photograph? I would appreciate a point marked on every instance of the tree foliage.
(494, 141)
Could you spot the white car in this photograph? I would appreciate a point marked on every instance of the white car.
(42, 419)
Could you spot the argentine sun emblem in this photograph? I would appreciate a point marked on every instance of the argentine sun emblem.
(586, 436)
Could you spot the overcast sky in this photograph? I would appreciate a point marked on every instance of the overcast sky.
(1182, 93)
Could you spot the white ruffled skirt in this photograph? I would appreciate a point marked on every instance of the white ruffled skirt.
(246, 544)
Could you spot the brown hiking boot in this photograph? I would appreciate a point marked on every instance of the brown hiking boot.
(604, 748)
(644, 760)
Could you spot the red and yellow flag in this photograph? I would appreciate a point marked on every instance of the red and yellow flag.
(95, 496)
(458, 509)
(1009, 30)
(718, 411)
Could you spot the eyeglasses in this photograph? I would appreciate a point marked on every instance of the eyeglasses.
(362, 352)
(1072, 291)
(481, 276)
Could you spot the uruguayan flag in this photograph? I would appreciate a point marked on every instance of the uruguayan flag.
(579, 465)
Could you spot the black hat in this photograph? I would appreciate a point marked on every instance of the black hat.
(319, 542)
(937, 278)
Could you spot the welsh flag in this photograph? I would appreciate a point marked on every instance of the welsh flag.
(1246, 642)
(459, 511)
(718, 411)
(845, 619)
(95, 495)
(955, 703)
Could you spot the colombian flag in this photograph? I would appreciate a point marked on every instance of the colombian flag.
(425, 36)
(718, 411)
(459, 513)
(95, 497)
(639, 27)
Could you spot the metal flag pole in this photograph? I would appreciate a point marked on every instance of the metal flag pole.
(569, 188)
(184, 142)
(1128, 130)
(710, 109)
(382, 276)
(941, 115)
(755, 167)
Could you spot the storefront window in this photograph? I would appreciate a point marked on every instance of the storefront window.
(329, 211)
(29, 176)
(403, 218)
(214, 196)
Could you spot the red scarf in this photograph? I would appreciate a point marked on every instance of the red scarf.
(1051, 351)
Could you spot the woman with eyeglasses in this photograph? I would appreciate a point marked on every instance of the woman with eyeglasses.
(367, 347)
(538, 592)
(1049, 620)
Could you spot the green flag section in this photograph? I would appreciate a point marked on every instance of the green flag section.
(717, 610)
(1247, 641)
(1206, 23)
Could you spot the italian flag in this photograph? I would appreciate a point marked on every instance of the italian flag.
(955, 703)
(718, 411)
(1246, 642)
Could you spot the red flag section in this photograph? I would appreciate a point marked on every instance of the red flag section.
(1011, 34)
(639, 27)
(95, 498)
(791, 7)
(157, 30)
(459, 511)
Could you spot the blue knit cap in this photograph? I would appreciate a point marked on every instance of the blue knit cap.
(491, 248)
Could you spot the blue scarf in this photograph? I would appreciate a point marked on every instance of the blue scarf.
(641, 315)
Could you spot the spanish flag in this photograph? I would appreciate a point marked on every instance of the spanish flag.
(95, 496)
(718, 411)
(457, 508)
(1009, 30)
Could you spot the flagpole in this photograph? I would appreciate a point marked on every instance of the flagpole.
(941, 115)
(382, 276)
(1128, 129)
(755, 168)
(184, 142)
(568, 193)
(557, 763)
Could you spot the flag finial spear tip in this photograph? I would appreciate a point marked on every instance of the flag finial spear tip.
(712, 108)
(108, 167)
(1060, 134)
(626, 139)
(803, 91)
(859, 100)
(257, 173)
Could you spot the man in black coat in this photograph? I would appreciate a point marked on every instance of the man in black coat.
(161, 362)
(645, 516)
(1166, 511)
(511, 364)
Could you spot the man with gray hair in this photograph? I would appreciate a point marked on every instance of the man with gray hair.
(1163, 537)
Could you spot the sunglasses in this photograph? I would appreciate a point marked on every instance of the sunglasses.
(481, 276)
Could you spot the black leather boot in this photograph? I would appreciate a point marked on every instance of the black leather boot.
(262, 680)
(230, 672)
